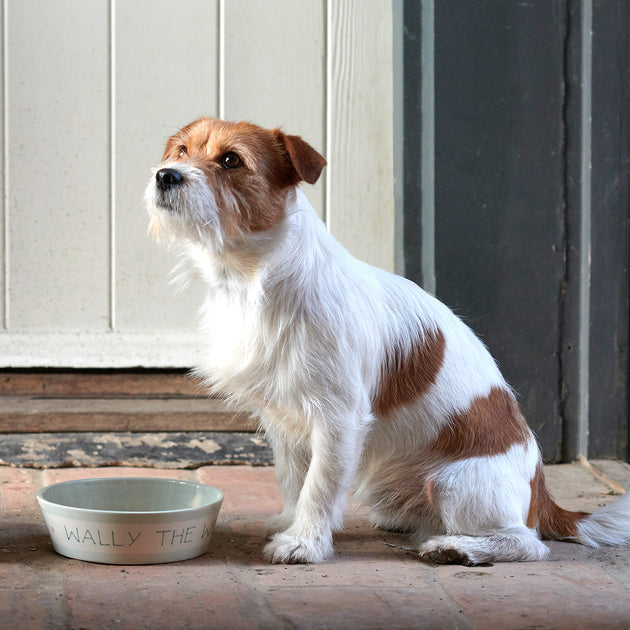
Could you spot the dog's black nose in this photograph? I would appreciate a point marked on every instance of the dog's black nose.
(167, 178)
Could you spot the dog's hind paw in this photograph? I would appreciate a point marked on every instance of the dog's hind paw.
(508, 545)
(446, 550)
(446, 556)
(286, 549)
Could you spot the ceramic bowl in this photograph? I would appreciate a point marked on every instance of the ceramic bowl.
(130, 520)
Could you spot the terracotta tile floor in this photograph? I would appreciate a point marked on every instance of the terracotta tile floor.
(368, 585)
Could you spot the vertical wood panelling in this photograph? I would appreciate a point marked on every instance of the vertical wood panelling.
(94, 90)
(165, 75)
(274, 58)
(3, 170)
(58, 171)
(360, 129)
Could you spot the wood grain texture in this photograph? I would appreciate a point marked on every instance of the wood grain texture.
(32, 401)
(94, 89)
(500, 205)
(28, 414)
(275, 64)
(155, 349)
(360, 129)
(58, 174)
(165, 75)
(3, 169)
(77, 383)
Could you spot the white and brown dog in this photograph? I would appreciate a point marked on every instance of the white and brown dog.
(360, 379)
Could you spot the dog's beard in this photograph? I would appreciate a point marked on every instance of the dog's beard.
(185, 214)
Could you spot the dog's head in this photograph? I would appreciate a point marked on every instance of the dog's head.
(220, 181)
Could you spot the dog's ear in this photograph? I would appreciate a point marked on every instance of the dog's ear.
(306, 162)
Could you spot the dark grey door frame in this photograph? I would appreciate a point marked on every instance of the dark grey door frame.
(515, 197)
(604, 97)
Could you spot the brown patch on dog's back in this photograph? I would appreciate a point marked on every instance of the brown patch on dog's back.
(490, 426)
(552, 521)
(407, 374)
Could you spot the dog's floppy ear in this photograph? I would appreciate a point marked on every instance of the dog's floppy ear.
(307, 163)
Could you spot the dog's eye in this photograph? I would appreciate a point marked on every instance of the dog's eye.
(182, 152)
(231, 160)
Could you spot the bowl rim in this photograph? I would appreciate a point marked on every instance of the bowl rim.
(44, 502)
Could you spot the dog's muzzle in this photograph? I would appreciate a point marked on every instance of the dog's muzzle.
(167, 178)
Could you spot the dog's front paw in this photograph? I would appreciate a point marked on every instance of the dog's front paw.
(287, 549)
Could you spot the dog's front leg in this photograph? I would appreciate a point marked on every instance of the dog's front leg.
(335, 451)
(291, 461)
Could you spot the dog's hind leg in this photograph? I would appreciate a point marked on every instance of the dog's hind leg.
(517, 544)
(484, 503)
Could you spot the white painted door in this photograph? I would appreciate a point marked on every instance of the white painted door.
(91, 89)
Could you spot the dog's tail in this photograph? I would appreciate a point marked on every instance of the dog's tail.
(608, 526)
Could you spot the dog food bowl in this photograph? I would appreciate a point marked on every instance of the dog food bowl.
(130, 520)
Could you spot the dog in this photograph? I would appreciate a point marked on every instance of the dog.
(360, 379)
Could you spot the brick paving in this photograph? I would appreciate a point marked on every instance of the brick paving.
(368, 585)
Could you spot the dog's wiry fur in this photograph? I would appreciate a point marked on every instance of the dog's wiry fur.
(359, 378)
